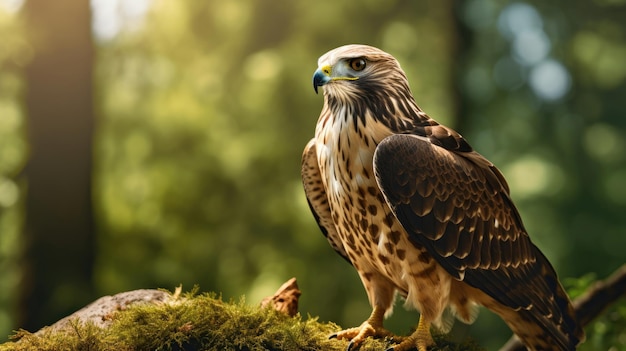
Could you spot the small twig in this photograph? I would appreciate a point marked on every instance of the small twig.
(589, 305)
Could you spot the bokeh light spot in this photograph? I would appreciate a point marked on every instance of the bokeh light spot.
(9, 192)
(518, 17)
(532, 175)
(550, 80)
(110, 16)
(263, 65)
(604, 143)
(531, 46)
(11, 6)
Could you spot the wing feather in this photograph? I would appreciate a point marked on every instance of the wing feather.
(457, 206)
(445, 198)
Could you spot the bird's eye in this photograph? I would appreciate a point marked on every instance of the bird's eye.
(357, 64)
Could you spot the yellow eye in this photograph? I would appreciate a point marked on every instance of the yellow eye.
(357, 64)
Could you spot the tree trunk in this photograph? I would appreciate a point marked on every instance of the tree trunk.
(58, 250)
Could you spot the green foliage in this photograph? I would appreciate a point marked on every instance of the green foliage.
(204, 108)
(204, 122)
(201, 322)
(608, 331)
(561, 156)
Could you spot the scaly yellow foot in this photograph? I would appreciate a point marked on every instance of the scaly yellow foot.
(373, 327)
(420, 338)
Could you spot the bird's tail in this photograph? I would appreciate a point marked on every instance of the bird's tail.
(557, 327)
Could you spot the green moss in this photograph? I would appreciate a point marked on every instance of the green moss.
(199, 322)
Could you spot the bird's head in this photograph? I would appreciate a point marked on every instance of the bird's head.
(358, 70)
(366, 81)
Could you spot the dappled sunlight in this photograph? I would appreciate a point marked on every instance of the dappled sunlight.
(531, 46)
(531, 175)
(523, 26)
(9, 192)
(605, 143)
(11, 6)
(110, 17)
(602, 54)
(202, 109)
(263, 65)
(517, 18)
(550, 80)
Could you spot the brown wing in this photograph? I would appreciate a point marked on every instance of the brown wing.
(317, 199)
(457, 206)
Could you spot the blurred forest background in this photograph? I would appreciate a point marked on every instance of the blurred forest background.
(149, 143)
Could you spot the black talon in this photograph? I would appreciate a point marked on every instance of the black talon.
(349, 348)
(332, 336)
(350, 345)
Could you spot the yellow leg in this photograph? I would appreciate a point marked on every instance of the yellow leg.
(420, 338)
(373, 326)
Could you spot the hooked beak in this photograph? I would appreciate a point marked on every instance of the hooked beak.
(321, 77)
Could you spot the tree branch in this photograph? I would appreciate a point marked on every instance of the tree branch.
(589, 305)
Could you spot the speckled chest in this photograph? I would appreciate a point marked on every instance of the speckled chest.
(368, 229)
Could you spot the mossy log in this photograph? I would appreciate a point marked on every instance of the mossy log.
(160, 320)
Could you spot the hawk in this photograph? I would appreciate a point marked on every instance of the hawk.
(419, 213)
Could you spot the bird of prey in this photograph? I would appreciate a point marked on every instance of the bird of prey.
(418, 212)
